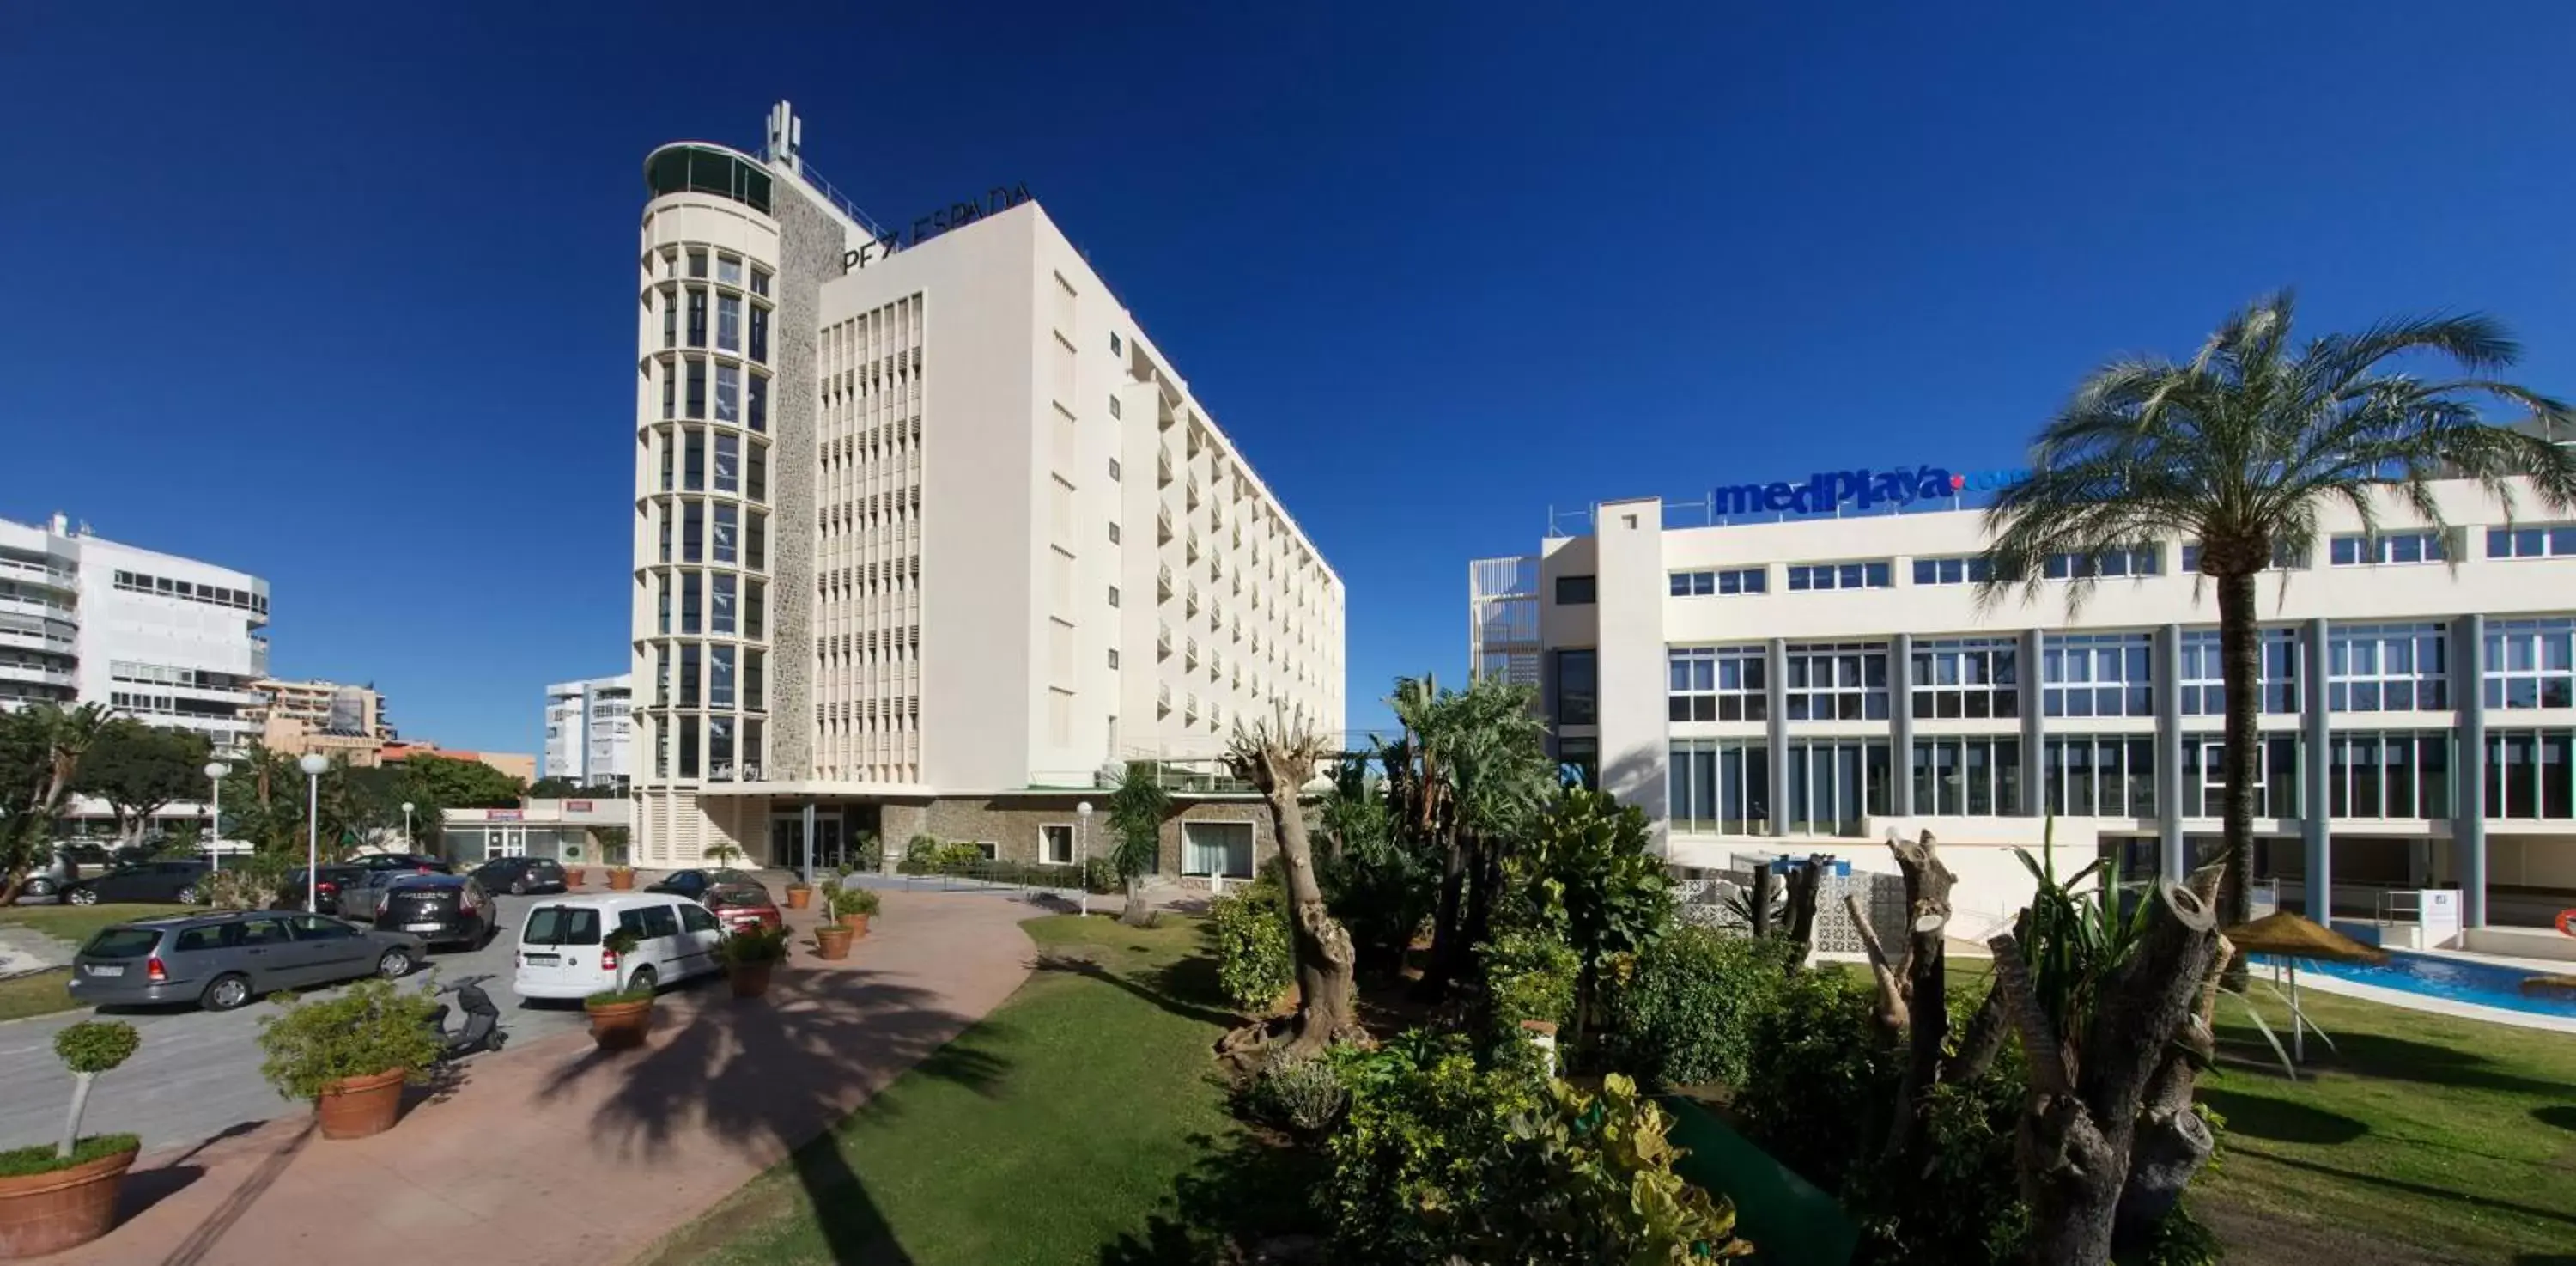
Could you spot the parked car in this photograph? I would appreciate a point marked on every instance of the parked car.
(739, 905)
(439, 909)
(420, 863)
(221, 961)
(182, 882)
(560, 955)
(325, 889)
(521, 875)
(362, 893)
(693, 884)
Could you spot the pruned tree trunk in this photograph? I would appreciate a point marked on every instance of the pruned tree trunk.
(1758, 909)
(1802, 887)
(81, 1083)
(2240, 668)
(1135, 914)
(1278, 765)
(2080, 1123)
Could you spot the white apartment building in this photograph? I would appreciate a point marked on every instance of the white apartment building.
(168, 640)
(1761, 683)
(928, 531)
(590, 731)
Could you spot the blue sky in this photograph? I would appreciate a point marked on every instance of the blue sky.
(339, 294)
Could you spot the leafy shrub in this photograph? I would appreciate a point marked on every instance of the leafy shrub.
(1254, 963)
(1439, 1158)
(1299, 1093)
(618, 996)
(922, 849)
(1689, 1011)
(1100, 876)
(752, 945)
(370, 1029)
(96, 1046)
(42, 1158)
(1382, 889)
(1529, 975)
(856, 900)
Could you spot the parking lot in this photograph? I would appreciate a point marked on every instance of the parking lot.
(197, 1074)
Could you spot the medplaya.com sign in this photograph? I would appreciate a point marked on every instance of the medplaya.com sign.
(1829, 491)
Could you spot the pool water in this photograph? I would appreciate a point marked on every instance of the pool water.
(2485, 984)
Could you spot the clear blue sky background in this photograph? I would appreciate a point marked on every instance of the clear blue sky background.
(340, 294)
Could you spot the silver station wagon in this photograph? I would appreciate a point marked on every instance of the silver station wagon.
(221, 961)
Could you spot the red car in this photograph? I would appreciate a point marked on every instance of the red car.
(743, 905)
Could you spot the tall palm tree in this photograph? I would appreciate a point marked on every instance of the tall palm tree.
(2239, 447)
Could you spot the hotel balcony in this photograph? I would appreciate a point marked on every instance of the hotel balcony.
(1162, 701)
(1163, 583)
(1190, 602)
(1163, 469)
(1163, 526)
(1163, 642)
(1189, 493)
(1190, 655)
(1190, 548)
(27, 573)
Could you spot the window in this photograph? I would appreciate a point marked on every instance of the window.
(759, 411)
(2357, 549)
(2382, 776)
(726, 517)
(2386, 668)
(728, 464)
(689, 676)
(729, 393)
(1967, 777)
(670, 319)
(759, 280)
(754, 613)
(1577, 688)
(2531, 663)
(754, 688)
(2284, 558)
(720, 676)
(755, 542)
(1834, 784)
(2554, 541)
(1837, 681)
(2528, 773)
(1972, 678)
(2204, 685)
(1700, 584)
(1113, 470)
(1113, 533)
(1578, 762)
(720, 609)
(728, 323)
(697, 394)
(1217, 848)
(1113, 406)
(1717, 683)
(1720, 786)
(1116, 346)
(697, 918)
(729, 269)
(1966, 569)
(2100, 777)
(2098, 675)
(1810, 576)
(697, 263)
(689, 604)
(2276, 776)
(693, 531)
(1113, 595)
(1113, 658)
(697, 316)
(760, 334)
(757, 486)
(1574, 591)
(2141, 560)
(1055, 844)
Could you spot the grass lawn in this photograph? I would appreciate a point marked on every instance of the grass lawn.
(37, 993)
(2453, 1138)
(75, 924)
(1102, 1136)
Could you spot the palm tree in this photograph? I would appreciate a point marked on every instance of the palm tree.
(41, 748)
(2239, 447)
(1469, 775)
(1137, 807)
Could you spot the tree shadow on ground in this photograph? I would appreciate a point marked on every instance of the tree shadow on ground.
(1246, 1188)
(2562, 1115)
(777, 1073)
(2414, 1188)
(2243, 1052)
(2258, 1116)
(1075, 964)
(207, 1233)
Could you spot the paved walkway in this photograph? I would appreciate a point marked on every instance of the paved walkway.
(552, 1153)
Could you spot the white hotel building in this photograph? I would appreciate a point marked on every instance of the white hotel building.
(1795, 685)
(169, 641)
(590, 731)
(928, 532)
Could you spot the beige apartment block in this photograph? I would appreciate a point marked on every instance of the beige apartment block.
(928, 532)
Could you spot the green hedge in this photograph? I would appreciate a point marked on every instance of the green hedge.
(1689, 1010)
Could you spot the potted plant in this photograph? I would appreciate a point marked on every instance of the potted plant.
(800, 893)
(749, 954)
(621, 1015)
(351, 1055)
(572, 865)
(832, 940)
(854, 906)
(621, 878)
(53, 1197)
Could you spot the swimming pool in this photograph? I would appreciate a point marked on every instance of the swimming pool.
(2485, 984)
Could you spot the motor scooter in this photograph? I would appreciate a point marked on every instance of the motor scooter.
(482, 1030)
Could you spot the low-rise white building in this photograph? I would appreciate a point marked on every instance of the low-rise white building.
(1762, 681)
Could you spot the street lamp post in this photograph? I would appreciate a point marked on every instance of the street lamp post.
(215, 771)
(407, 845)
(1082, 854)
(313, 764)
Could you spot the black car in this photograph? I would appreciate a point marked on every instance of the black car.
(421, 862)
(521, 875)
(693, 884)
(326, 888)
(180, 882)
(440, 909)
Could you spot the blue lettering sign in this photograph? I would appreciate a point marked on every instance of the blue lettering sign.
(1828, 491)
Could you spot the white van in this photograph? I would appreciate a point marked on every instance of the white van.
(560, 955)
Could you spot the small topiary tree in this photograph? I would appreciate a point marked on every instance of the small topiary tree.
(88, 1049)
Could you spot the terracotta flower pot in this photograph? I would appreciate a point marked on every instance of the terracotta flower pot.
(856, 923)
(618, 1026)
(832, 940)
(621, 879)
(799, 897)
(50, 1212)
(749, 980)
(356, 1107)
(572, 876)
